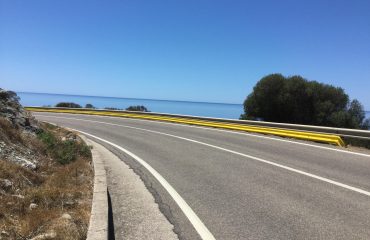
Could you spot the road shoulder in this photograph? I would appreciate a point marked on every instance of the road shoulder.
(136, 215)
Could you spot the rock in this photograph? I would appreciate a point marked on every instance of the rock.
(33, 206)
(66, 216)
(4, 234)
(12, 110)
(6, 184)
(18, 196)
(19, 154)
(45, 236)
(2, 145)
(25, 163)
(70, 203)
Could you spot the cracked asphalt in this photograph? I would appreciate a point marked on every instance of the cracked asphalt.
(237, 197)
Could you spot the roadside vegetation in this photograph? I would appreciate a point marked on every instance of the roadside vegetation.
(46, 178)
(294, 99)
(68, 105)
(63, 150)
(52, 200)
(89, 105)
(137, 108)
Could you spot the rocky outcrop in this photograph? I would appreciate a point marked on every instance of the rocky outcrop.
(15, 123)
(12, 110)
(38, 178)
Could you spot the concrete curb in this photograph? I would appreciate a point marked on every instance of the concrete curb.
(98, 226)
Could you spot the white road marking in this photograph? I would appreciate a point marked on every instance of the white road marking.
(227, 131)
(189, 213)
(327, 180)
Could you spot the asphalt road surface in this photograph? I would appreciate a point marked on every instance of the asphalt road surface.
(237, 185)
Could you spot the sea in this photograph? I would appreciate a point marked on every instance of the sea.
(204, 109)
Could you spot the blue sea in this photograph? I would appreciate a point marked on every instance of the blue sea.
(217, 110)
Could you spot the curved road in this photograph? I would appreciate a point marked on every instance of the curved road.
(241, 186)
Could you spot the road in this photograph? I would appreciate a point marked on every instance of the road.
(240, 186)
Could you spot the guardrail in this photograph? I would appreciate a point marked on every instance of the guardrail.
(305, 132)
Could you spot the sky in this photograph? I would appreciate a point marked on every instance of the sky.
(196, 50)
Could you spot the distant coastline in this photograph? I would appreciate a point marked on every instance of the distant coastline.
(150, 99)
(196, 108)
(205, 109)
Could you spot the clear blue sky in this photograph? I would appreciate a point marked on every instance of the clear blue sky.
(201, 50)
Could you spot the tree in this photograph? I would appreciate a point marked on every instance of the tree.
(357, 113)
(366, 124)
(89, 105)
(294, 99)
(137, 108)
(68, 105)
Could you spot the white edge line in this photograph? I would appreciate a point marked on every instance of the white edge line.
(327, 180)
(189, 213)
(221, 130)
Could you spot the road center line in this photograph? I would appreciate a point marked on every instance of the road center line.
(348, 187)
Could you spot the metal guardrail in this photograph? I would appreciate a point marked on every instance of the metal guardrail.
(343, 132)
(304, 132)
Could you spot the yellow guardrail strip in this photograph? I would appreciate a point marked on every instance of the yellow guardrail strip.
(303, 135)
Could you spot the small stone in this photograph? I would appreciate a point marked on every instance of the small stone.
(70, 203)
(66, 216)
(46, 236)
(18, 196)
(33, 206)
(24, 162)
(5, 184)
(4, 234)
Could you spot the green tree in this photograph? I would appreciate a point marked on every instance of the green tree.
(68, 105)
(357, 114)
(89, 105)
(265, 98)
(294, 99)
(137, 108)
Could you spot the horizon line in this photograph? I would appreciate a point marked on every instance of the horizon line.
(164, 100)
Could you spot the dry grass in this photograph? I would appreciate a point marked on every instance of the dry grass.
(56, 189)
(9, 132)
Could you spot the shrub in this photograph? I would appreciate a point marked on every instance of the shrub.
(68, 105)
(137, 108)
(89, 105)
(47, 138)
(63, 152)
